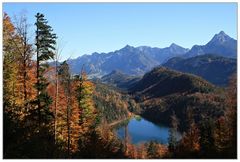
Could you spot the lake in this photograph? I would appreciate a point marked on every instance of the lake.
(141, 130)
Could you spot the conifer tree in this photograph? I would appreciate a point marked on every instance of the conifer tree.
(207, 141)
(152, 150)
(45, 41)
(84, 92)
(189, 145)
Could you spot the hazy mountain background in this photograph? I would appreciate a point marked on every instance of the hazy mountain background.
(129, 60)
(214, 62)
(216, 69)
(220, 44)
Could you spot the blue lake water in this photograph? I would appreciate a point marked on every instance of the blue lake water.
(143, 131)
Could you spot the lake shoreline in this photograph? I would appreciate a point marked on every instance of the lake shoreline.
(141, 130)
(116, 122)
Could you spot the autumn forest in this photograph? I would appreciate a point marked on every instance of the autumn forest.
(50, 112)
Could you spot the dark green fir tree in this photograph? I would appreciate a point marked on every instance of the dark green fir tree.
(45, 41)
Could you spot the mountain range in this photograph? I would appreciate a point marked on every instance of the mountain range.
(129, 60)
(139, 60)
(215, 69)
(220, 44)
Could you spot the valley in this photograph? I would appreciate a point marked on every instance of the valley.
(135, 102)
(163, 92)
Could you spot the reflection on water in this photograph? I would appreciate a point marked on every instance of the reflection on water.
(142, 130)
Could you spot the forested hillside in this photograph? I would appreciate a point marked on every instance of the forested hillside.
(113, 104)
(216, 69)
(51, 113)
(193, 106)
(48, 113)
(120, 80)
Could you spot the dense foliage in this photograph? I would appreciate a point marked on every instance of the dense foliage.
(49, 119)
(50, 113)
(199, 110)
(113, 105)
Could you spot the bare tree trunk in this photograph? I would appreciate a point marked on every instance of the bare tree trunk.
(57, 57)
(80, 93)
(24, 82)
(56, 102)
(25, 57)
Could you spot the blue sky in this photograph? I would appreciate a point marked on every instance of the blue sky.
(84, 28)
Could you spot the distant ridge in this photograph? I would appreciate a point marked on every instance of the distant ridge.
(130, 60)
(216, 69)
(139, 60)
(221, 44)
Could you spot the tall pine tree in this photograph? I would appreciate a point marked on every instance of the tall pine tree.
(45, 41)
